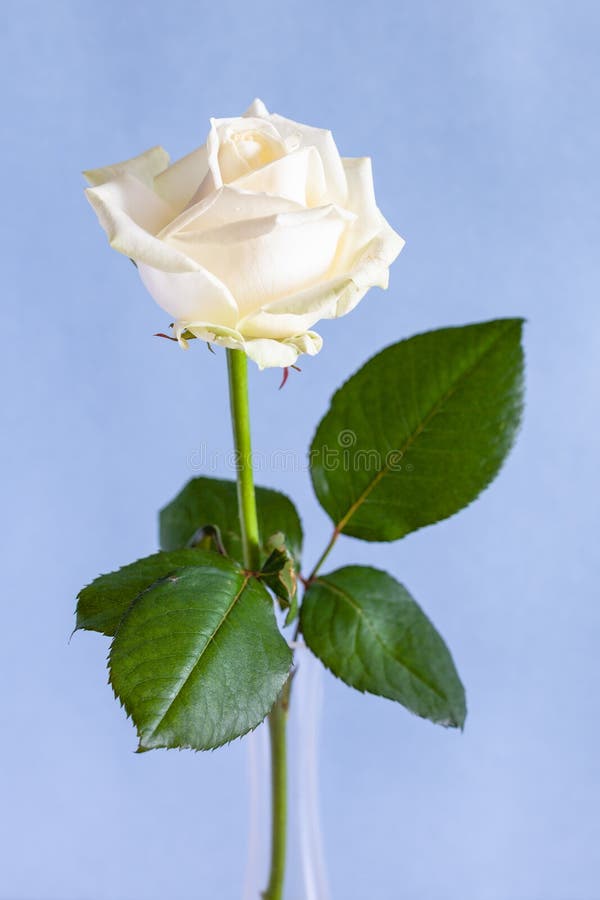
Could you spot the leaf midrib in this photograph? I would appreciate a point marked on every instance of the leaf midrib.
(163, 715)
(415, 434)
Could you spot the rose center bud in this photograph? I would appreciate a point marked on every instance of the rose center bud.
(246, 151)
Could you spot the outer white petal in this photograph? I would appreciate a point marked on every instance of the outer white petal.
(361, 201)
(191, 296)
(370, 245)
(268, 353)
(261, 260)
(307, 136)
(310, 342)
(330, 299)
(226, 206)
(131, 214)
(285, 318)
(257, 109)
(145, 167)
(178, 184)
(371, 267)
(299, 176)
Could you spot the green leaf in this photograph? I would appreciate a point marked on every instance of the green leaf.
(102, 604)
(279, 575)
(367, 629)
(198, 659)
(417, 433)
(212, 501)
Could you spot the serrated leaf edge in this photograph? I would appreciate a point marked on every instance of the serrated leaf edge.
(455, 722)
(339, 527)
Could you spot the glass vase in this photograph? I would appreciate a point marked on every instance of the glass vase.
(306, 876)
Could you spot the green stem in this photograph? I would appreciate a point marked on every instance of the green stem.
(237, 365)
(277, 733)
(324, 554)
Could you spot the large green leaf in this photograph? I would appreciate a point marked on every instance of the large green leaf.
(367, 629)
(198, 659)
(420, 430)
(101, 605)
(213, 501)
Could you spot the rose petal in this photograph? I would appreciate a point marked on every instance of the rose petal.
(257, 109)
(269, 354)
(226, 206)
(222, 133)
(307, 136)
(194, 296)
(361, 200)
(310, 342)
(145, 167)
(178, 184)
(285, 318)
(265, 259)
(264, 352)
(330, 299)
(298, 176)
(371, 266)
(131, 214)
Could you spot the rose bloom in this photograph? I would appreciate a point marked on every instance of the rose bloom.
(251, 239)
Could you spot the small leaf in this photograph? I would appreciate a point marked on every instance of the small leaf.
(279, 574)
(102, 604)
(213, 501)
(366, 628)
(417, 433)
(198, 659)
(208, 538)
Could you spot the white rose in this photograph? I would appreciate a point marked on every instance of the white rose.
(251, 239)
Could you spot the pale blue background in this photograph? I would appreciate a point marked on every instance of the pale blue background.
(482, 120)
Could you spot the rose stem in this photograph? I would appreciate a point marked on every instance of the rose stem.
(237, 365)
